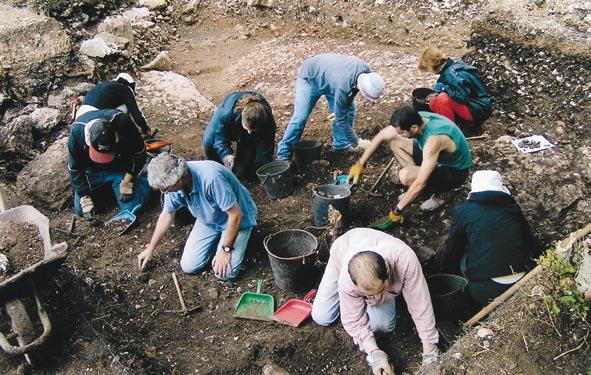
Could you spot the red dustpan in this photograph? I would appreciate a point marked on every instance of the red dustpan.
(295, 311)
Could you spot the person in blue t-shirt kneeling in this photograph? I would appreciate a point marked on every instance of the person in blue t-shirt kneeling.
(224, 210)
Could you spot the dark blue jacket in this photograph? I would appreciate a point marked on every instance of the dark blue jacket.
(130, 148)
(490, 229)
(110, 95)
(226, 126)
(461, 83)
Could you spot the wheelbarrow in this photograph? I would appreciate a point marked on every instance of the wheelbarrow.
(257, 306)
(295, 311)
(23, 284)
(125, 219)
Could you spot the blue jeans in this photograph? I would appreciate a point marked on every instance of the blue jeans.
(307, 94)
(202, 244)
(100, 179)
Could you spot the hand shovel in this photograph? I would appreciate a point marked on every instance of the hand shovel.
(257, 306)
(124, 219)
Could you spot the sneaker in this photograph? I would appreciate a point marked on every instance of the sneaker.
(363, 143)
(349, 150)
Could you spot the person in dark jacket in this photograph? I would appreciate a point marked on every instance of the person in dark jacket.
(117, 94)
(106, 149)
(244, 117)
(490, 241)
(460, 95)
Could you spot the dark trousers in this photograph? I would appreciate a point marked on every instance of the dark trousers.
(245, 164)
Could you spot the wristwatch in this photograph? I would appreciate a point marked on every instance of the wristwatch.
(227, 249)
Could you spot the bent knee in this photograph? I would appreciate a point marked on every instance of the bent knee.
(323, 318)
(190, 268)
(406, 178)
(383, 327)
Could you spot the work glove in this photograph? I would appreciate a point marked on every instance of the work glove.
(439, 87)
(87, 207)
(430, 354)
(379, 363)
(126, 187)
(355, 173)
(396, 217)
(229, 161)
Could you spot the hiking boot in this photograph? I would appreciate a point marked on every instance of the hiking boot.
(351, 150)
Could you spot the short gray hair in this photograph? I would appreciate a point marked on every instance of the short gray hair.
(165, 170)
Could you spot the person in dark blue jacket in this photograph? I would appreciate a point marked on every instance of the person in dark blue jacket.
(490, 241)
(460, 94)
(106, 149)
(117, 94)
(244, 117)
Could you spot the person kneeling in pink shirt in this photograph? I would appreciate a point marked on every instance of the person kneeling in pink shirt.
(366, 270)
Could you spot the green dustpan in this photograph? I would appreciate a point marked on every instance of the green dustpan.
(257, 306)
(382, 223)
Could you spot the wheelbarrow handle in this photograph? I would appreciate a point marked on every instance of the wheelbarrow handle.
(311, 294)
(259, 285)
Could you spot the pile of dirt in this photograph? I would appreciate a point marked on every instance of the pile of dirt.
(21, 243)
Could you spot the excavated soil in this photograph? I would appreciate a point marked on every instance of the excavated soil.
(22, 245)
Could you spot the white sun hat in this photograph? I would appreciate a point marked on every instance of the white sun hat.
(371, 86)
(488, 180)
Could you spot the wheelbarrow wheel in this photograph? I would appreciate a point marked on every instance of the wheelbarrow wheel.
(23, 327)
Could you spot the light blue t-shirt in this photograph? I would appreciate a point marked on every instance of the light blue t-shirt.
(215, 191)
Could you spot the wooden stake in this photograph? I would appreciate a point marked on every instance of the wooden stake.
(180, 294)
(383, 174)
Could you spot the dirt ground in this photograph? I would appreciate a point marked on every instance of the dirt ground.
(21, 243)
(110, 317)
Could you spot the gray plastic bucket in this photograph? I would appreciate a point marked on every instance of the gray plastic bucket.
(419, 98)
(305, 152)
(339, 196)
(447, 295)
(292, 254)
(276, 179)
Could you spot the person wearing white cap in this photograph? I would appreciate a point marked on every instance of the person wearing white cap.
(339, 78)
(117, 94)
(490, 241)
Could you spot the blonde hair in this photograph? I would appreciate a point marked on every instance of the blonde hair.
(432, 60)
(253, 111)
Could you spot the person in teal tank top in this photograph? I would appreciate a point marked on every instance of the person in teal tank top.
(431, 150)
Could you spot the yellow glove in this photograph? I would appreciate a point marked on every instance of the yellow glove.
(396, 218)
(355, 173)
(126, 188)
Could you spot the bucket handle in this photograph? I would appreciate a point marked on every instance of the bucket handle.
(259, 285)
(266, 240)
(264, 179)
(311, 294)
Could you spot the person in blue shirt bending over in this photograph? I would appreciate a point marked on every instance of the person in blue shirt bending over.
(224, 210)
(339, 78)
(246, 118)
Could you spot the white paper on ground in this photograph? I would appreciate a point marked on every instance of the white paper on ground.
(532, 143)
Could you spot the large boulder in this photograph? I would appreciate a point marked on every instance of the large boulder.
(45, 179)
(103, 45)
(35, 47)
(46, 119)
(119, 26)
(16, 136)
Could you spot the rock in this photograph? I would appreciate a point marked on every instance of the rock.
(45, 119)
(36, 48)
(484, 333)
(16, 137)
(161, 62)
(103, 45)
(261, 3)
(432, 204)
(584, 275)
(3, 263)
(211, 293)
(118, 26)
(153, 4)
(424, 253)
(45, 179)
(60, 98)
(191, 7)
(272, 369)
(139, 17)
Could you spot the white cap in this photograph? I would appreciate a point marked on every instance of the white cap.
(488, 181)
(125, 77)
(371, 86)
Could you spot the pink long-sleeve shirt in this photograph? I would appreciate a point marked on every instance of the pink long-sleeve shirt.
(406, 276)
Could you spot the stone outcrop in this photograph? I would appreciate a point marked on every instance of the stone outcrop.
(34, 51)
(45, 179)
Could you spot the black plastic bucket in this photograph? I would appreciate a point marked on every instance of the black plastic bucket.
(339, 196)
(419, 96)
(276, 179)
(448, 295)
(292, 254)
(305, 152)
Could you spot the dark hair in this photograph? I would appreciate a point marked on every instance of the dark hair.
(374, 263)
(404, 117)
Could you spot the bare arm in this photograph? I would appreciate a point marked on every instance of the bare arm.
(385, 135)
(431, 152)
(164, 222)
(233, 227)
